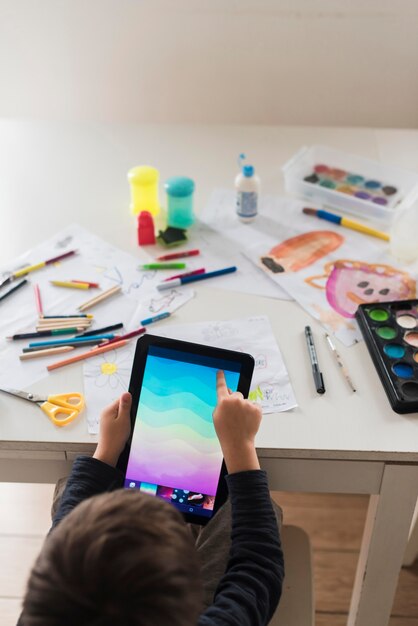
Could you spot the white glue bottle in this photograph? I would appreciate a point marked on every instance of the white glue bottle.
(247, 185)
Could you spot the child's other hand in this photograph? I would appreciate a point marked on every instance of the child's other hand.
(236, 423)
(115, 428)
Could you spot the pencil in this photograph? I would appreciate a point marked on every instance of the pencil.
(346, 222)
(64, 317)
(72, 340)
(340, 364)
(79, 329)
(98, 299)
(69, 284)
(37, 353)
(133, 333)
(15, 288)
(85, 282)
(86, 355)
(45, 333)
(99, 331)
(38, 266)
(38, 300)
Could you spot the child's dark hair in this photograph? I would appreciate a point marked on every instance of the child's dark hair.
(118, 559)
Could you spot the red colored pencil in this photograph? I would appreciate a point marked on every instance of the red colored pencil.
(60, 257)
(193, 273)
(177, 255)
(38, 300)
(133, 333)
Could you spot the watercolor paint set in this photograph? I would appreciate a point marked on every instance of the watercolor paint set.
(390, 330)
(331, 178)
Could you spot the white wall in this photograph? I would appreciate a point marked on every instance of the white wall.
(325, 62)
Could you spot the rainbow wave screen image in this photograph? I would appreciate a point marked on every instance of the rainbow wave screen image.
(174, 441)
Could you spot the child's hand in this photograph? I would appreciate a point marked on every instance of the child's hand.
(236, 423)
(115, 428)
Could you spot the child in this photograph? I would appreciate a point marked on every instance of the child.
(124, 558)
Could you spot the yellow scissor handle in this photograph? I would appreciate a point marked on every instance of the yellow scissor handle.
(68, 400)
(59, 415)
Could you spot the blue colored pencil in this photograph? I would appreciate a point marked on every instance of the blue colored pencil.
(72, 340)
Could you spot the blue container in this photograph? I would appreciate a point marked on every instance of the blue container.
(179, 201)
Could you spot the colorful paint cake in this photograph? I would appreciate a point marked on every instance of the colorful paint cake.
(390, 330)
(351, 183)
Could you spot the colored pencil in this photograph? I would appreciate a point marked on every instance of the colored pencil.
(73, 340)
(63, 317)
(81, 328)
(38, 353)
(68, 284)
(85, 282)
(45, 333)
(43, 348)
(99, 331)
(133, 333)
(38, 266)
(177, 255)
(98, 299)
(70, 342)
(346, 222)
(191, 279)
(87, 355)
(193, 273)
(15, 288)
(38, 300)
(66, 324)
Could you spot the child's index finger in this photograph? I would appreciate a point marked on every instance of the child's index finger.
(221, 388)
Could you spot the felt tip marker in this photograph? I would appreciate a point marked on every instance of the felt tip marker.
(191, 279)
(201, 270)
(317, 376)
(156, 318)
(177, 255)
(162, 266)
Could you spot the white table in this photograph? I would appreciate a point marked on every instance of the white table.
(54, 174)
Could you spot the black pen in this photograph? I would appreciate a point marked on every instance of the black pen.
(318, 379)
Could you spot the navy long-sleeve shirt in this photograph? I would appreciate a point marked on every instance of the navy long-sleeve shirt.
(250, 589)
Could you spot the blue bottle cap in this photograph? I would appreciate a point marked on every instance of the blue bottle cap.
(248, 170)
(179, 186)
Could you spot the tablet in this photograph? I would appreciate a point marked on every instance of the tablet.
(173, 452)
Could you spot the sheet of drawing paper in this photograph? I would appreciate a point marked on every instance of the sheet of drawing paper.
(160, 302)
(270, 387)
(330, 270)
(107, 375)
(95, 261)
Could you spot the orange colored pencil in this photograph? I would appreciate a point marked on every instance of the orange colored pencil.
(86, 355)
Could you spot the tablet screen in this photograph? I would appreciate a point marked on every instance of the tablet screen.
(175, 453)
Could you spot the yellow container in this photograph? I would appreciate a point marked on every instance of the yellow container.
(144, 189)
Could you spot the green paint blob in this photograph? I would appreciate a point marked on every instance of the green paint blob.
(386, 332)
(328, 183)
(379, 315)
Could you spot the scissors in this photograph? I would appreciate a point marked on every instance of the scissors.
(61, 409)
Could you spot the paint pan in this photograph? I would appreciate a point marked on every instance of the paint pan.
(390, 330)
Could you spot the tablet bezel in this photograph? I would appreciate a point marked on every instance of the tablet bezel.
(141, 352)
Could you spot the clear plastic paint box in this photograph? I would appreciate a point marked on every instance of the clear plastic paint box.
(353, 184)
